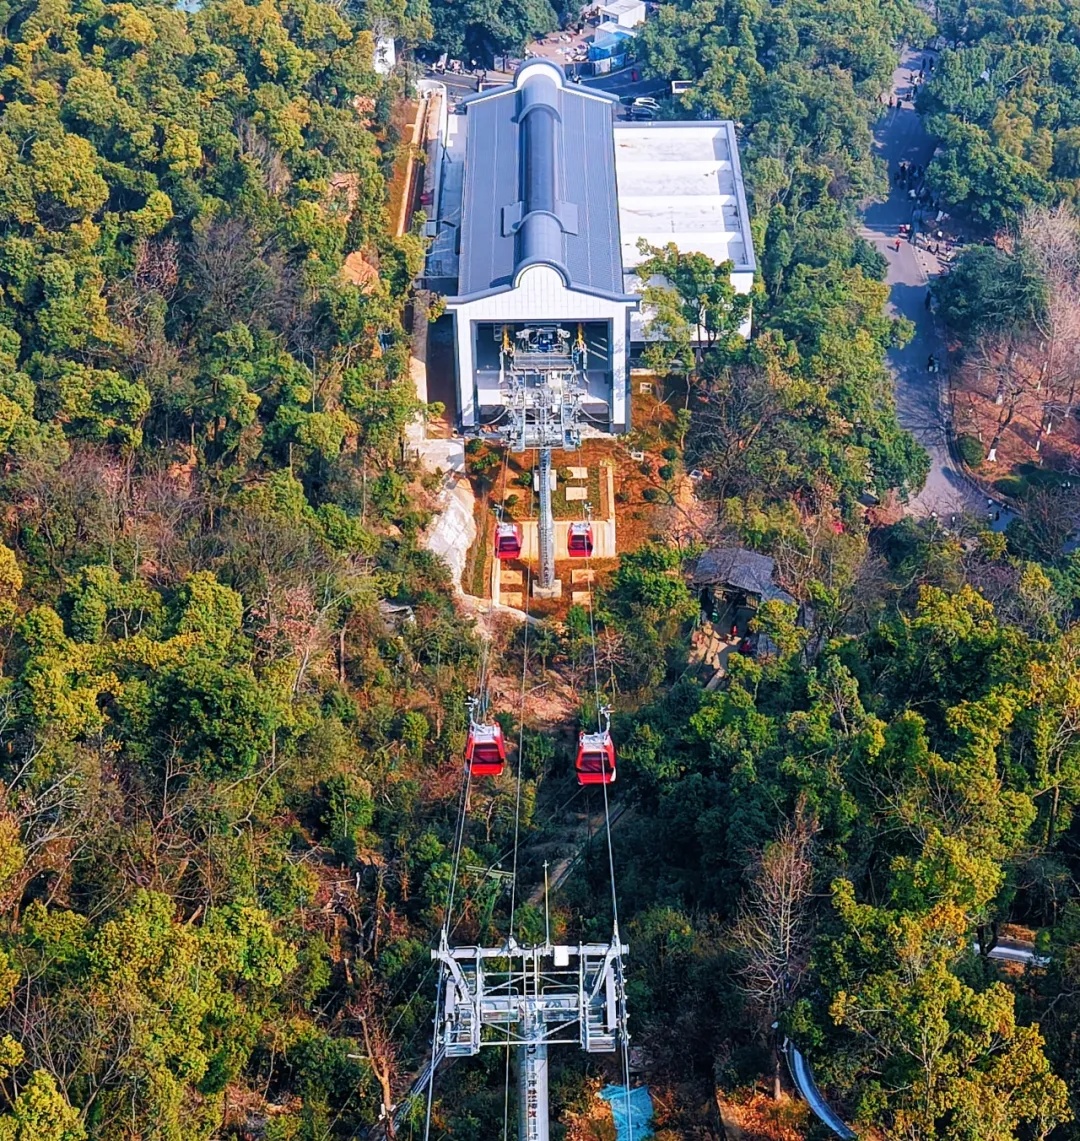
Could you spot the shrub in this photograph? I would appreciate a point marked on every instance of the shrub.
(1012, 485)
(667, 472)
(645, 468)
(650, 494)
(670, 453)
(473, 446)
(971, 450)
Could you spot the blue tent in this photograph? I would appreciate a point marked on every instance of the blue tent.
(609, 44)
(632, 1111)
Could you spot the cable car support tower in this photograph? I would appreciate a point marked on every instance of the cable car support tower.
(531, 997)
(542, 379)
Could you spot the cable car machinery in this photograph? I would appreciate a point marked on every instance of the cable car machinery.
(542, 376)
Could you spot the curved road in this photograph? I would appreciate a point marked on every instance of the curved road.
(899, 137)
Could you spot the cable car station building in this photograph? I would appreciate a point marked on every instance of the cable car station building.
(541, 196)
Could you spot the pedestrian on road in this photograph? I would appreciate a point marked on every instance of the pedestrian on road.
(896, 245)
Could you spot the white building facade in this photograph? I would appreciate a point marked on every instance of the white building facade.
(544, 194)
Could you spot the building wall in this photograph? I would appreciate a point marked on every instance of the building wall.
(540, 296)
(625, 15)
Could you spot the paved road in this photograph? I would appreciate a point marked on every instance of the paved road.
(1014, 951)
(899, 137)
(623, 83)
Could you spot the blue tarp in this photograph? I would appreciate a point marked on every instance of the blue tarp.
(639, 1125)
(609, 44)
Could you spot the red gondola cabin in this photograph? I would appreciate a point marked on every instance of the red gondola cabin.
(579, 540)
(507, 541)
(485, 750)
(595, 762)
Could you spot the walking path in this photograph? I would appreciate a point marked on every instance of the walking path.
(920, 399)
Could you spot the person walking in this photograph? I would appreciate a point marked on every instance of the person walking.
(896, 245)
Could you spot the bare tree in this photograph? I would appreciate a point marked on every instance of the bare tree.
(379, 1050)
(1050, 240)
(1006, 362)
(772, 933)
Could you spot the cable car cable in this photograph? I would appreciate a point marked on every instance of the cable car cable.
(458, 845)
(517, 814)
(611, 855)
(463, 806)
(521, 740)
(482, 693)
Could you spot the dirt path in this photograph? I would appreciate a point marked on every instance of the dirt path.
(559, 871)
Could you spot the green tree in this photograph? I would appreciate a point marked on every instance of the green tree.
(953, 1061)
(712, 311)
(40, 1113)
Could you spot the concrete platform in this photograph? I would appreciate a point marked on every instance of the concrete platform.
(581, 597)
(577, 494)
(512, 598)
(579, 576)
(603, 539)
(578, 472)
(511, 577)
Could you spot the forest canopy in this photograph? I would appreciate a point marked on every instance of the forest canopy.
(203, 490)
(234, 688)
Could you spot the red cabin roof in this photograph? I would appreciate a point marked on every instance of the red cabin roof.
(485, 750)
(507, 540)
(579, 540)
(595, 762)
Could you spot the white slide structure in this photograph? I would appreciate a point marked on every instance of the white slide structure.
(1008, 950)
(803, 1077)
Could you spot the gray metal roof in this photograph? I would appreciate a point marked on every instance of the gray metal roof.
(741, 569)
(540, 186)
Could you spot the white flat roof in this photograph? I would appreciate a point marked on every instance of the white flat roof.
(682, 183)
(619, 7)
